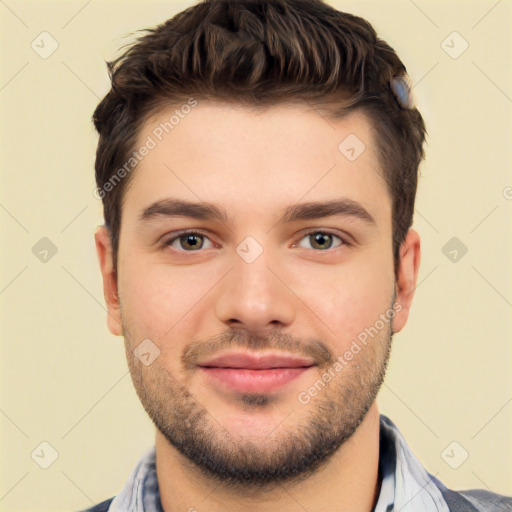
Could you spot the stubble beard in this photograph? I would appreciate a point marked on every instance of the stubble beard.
(313, 432)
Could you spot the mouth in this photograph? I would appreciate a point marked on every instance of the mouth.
(252, 372)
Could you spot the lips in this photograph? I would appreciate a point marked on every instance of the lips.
(254, 361)
(245, 372)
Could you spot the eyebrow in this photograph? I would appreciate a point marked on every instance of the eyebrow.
(181, 208)
(318, 209)
(304, 211)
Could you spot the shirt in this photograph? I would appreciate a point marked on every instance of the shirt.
(406, 485)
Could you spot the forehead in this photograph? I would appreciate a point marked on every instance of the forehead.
(246, 159)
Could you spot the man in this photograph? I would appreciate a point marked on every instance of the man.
(258, 164)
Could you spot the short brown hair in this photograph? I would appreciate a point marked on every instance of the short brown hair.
(261, 53)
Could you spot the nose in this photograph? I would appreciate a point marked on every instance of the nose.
(253, 297)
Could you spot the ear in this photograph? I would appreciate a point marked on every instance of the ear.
(105, 256)
(405, 284)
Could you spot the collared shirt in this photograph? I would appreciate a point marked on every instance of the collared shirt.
(406, 485)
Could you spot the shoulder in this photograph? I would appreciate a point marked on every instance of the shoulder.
(476, 500)
(393, 445)
(486, 501)
(100, 507)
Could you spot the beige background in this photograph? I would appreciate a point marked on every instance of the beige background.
(64, 378)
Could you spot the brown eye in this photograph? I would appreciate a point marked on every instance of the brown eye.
(320, 240)
(190, 242)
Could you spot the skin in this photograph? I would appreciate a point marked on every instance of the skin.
(255, 165)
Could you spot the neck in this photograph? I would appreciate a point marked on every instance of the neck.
(347, 482)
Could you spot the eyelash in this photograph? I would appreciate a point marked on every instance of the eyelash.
(342, 239)
(177, 236)
(344, 242)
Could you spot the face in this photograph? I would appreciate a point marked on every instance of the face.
(255, 287)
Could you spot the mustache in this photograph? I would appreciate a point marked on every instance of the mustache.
(308, 347)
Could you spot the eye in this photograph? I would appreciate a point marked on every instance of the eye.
(190, 241)
(321, 240)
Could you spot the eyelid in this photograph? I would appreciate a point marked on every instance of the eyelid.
(172, 237)
(343, 237)
(169, 239)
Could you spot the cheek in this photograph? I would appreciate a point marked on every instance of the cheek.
(348, 300)
(157, 299)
